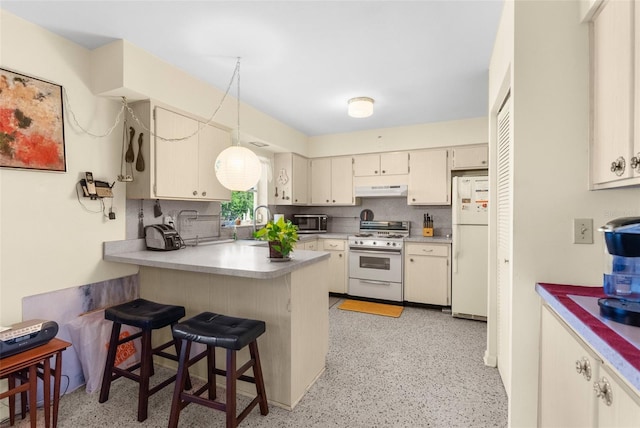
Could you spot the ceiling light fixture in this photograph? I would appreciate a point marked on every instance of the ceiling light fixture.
(361, 107)
(238, 168)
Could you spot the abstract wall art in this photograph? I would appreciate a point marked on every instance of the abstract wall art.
(31, 123)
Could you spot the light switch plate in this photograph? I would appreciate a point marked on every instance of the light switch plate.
(583, 231)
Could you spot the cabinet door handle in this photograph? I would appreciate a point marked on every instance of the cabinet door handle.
(195, 193)
(383, 171)
(635, 162)
(375, 172)
(411, 260)
(602, 388)
(204, 193)
(339, 255)
(583, 367)
(427, 251)
(618, 166)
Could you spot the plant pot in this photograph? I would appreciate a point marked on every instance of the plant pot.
(273, 253)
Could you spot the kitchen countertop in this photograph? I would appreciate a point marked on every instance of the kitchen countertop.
(233, 258)
(618, 344)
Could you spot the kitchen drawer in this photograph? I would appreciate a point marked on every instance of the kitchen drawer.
(333, 244)
(427, 250)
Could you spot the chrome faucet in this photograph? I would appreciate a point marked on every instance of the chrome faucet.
(254, 215)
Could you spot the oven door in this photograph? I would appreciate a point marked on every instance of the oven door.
(375, 265)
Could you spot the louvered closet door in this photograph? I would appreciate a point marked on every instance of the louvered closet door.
(504, 228)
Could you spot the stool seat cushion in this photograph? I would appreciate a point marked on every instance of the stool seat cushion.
(219, 330)
(144, 314)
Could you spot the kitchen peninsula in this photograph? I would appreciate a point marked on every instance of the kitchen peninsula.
(237, 279)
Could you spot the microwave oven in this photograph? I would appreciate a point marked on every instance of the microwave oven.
(311, 223)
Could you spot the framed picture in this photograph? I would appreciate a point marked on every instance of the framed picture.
(31, 123)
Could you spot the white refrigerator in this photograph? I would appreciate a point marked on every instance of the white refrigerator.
(469, 283)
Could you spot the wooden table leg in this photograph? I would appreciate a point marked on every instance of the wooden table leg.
(46, 391)
(12, 400)
(56, 387)
(33, 392)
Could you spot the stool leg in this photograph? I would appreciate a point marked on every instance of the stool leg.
(176, 402)
(108, 367)
(211, 371)
(232, 421)
(257, 374)
(176, 343)
(146, 367)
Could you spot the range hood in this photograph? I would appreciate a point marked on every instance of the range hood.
(397, 190)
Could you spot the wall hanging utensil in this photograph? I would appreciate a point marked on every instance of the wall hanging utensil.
(129, 156)
(140, 160)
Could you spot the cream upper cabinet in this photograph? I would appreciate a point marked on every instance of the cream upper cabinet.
(337, 275)
(578, 389)
(332, 181)
(394, 163)
(429, 177)
(427, 274)
(291, 179)
(470, 157)
(614, 154)
(182, 169)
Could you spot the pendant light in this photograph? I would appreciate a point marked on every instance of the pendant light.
(238, 168)
(360, 107)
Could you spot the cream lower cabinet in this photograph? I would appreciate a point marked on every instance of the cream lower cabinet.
(311, 245)
(337, 264)
(427, 273)
(429, 178)
(570, 373)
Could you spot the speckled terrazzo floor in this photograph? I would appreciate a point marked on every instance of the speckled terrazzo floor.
(423, 369)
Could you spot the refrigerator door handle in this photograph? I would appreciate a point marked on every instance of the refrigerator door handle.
(455, 246)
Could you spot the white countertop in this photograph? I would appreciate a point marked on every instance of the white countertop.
(241, 258)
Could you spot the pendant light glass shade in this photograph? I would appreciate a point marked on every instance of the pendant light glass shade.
(238, 168)
(361, 107)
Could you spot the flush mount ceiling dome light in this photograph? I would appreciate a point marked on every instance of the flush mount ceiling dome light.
(361, 107)
(238, 168)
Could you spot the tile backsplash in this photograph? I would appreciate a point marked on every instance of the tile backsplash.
(341, 219)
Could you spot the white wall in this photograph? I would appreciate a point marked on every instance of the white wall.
(550, 89)
(438, 134)
(48, 240)
(140, 75)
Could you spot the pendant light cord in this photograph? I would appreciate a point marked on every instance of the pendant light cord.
(125, 106)
(237, 73)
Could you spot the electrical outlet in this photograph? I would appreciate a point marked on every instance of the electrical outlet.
(583, 231)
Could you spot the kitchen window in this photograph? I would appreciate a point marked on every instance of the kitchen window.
(242, 204)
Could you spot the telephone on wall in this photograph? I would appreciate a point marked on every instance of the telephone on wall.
(95, 188)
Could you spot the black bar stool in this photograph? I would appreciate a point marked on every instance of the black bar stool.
(147, 316)
(233, 334)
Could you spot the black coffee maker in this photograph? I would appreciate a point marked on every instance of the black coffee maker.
(622, 272)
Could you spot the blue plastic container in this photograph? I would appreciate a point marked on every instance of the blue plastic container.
(622, 273)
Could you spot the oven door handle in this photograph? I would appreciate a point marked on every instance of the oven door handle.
(381, 251)
(370, 281)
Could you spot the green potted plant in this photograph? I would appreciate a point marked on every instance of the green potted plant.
(282, 237)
